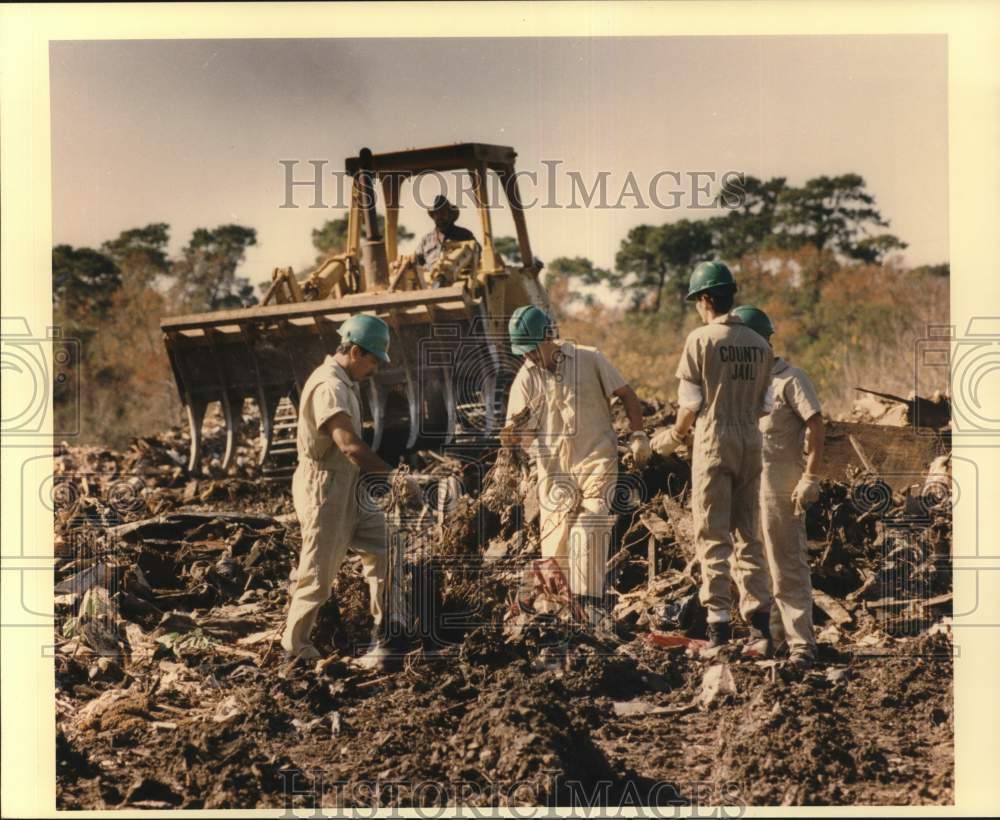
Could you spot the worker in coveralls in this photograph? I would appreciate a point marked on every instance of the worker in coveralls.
(331, 507)
(793, 434)
(445, 230)
(724, 374)
(559, 409)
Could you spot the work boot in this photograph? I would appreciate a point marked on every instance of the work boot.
(779, 649)
(385, 654)
(719, 633)
(801, 659)
(779, 642)
(691, 617)
(759, 643)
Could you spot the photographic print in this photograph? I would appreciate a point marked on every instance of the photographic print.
(532, 423)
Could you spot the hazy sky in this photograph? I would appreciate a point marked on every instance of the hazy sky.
(191, 132)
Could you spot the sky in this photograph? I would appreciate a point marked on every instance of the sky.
(192, 133)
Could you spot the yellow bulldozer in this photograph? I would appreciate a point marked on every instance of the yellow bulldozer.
(451, 361)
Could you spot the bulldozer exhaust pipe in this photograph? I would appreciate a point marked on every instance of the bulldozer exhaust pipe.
(373, 256)
(375, 263)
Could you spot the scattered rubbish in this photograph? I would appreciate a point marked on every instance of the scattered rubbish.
(829, 634)
(172, 685)
(172, 524)
(672, 641)
(228, 709)
(629, 708)
(887, 409)
(306, 726)
(716, 683)
(99, 574)
(833, 608)
(838, 674)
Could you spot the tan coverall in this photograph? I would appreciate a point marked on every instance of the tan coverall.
(732, 365)
(326, 499)
(784, 430)
(576, 452)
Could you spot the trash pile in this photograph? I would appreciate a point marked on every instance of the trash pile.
(886, 409)
(172, 691)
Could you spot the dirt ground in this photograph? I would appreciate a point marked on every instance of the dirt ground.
(172, 692)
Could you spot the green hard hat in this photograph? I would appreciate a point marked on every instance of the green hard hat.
(755, 319)
(709, 275)
(369, 333)
(527, 328)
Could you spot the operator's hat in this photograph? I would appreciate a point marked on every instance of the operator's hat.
(441, 202)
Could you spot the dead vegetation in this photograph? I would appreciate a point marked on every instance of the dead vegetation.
(172, 691)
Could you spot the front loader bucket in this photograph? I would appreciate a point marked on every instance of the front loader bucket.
(267, 353)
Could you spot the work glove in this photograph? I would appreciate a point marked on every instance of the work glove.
(639, 447)
(509, 434)
(409, 487)
(806, 493)
(687, 448)
(666, 441)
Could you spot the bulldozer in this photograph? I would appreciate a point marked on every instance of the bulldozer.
(451, 361)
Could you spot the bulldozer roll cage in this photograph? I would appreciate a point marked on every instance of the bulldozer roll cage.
(450, 356)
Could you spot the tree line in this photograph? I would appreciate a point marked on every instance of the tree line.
(835, 214)
(826, 238)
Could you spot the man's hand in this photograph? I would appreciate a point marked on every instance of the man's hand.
(806, 493)
(687, 448)
(665, 441)
(639, 447)
(340, 429)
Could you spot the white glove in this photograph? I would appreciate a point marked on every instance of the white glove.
(806, 493)
(666, 441)
(639, 447)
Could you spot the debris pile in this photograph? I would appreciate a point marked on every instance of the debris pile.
(886, 409)
(172, 691)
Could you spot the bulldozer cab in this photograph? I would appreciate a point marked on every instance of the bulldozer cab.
(450, 355)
